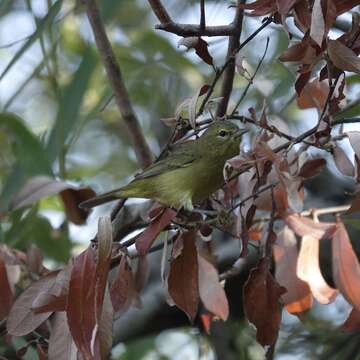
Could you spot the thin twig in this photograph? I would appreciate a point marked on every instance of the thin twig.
(202, 15)
(186, 30)
(250, 81)
(160, 11)
(113, 71)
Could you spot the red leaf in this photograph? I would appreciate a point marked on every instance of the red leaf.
(81, 308)
(308, 269)
(352, 323)
(148, 236)
(260, 7)
(284, 6)
(6, 295)
(298, 297)
(202, 51)
(342, 162)
(261, 302)
(22, 320)
(346, 267)
(312, 168)
(183, 284)
(212, 294)
(304, 226)
(105, 333)
(314, 94)
(122, 290)
(343, 57)
(61, 344)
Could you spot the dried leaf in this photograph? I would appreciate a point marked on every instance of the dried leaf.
(22, 320)
(284, 6)
(342, 162)
(260, 7)
(343, 57)
(304, 226)
(298, 297)
(122, 290)
(200, 46)
(355, 204)
(193, 102)
(61, 344)
(346, 267)
(261, 303)
(183, 284)
(352, 323)
(317, 28)
(314, 94)
(106, 326)
(149, 235)
(34, 259)
(312, 168)
(211, 292)
(6, 294)
(308, 269)
(81, 307)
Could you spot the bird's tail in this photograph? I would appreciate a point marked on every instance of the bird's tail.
(101, 199)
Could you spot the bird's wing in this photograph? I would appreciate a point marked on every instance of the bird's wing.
(179, 157)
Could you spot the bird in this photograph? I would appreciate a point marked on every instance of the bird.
(189, 173)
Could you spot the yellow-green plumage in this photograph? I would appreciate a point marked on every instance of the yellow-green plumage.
(189, 173)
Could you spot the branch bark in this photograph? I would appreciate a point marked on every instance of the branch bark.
(113, 71)
(234, 43)
(186, 30)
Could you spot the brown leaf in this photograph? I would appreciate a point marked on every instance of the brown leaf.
(211, 292)
(81, 307)
(304, 226)
(354, 138)
(261, 303)
(312, 168)
(260, 7)
(34, 259)
(22, 320)
(193, 102)
(105, 333)
(200, 46)
(314, 94)
(298, 297)
(342, 162)
(343, 57)
(299, 52)
(148, 236)
(317, 28)
(122, 290)
(183, 284)
(352, 323)
(72, 199)
(284, 6)
(308, 269)
(355, 204)
(6, 294)
(346, 267)
(61, 344)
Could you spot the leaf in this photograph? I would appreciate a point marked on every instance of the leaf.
(6, 294)
(149, 235)
(183, 283)
(193, 102)
(22, 320)
(308, 269)
(105, 326)
(312, 167)
(42, 24)
(343, 57)
(304, 226)
(354, 138)
(26, 149)
(122, 290)
(200, 46)
(61, 344)
(342, 162)
(284, 6)
(355, 204)
(314, 94)
(70, 104)
(317, 28)
(352, 323)
(212, 294)
(261, 303)
(298, 297)
(81, 307)
(346, 267)
(259, 7)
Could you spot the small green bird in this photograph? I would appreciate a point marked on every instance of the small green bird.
(189, 173)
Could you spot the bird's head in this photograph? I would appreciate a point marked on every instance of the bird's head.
(222, 138)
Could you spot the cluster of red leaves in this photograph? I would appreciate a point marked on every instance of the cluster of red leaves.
(314, 19)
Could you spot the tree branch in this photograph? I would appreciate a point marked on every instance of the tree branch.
(160, 11)
(113, 71)
(186, 30)
(234, 43)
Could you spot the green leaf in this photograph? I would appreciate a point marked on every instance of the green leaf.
(31, 158)
(43, 24)
(69, 107)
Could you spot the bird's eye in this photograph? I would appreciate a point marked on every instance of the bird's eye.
(222, 133)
